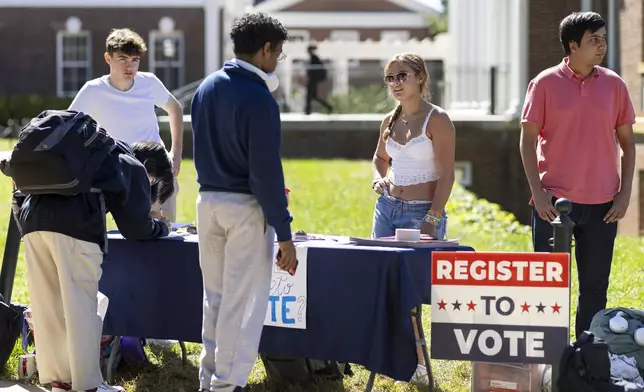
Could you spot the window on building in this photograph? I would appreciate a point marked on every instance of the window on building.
(73, 58)
(299, 35)
(394, 35)
(345, 35)
(167, 52)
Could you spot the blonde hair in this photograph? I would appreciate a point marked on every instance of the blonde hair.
(418, 66)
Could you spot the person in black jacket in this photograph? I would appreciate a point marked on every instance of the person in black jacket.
(315, 74)
(64, 239)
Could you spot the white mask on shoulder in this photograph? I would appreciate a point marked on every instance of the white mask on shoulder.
(272, 82)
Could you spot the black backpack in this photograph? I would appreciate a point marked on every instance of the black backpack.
(301, 370)
(58, 152)
(11, 320)
(585, 366)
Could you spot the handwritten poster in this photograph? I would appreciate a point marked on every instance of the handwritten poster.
(500, 307)
(287, 297)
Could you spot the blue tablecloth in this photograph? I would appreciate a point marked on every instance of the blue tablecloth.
(358, 310)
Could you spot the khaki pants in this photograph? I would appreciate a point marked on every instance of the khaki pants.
(63, 275)
(235, 253)
(169, 208)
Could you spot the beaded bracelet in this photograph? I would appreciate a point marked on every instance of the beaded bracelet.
(433, 217)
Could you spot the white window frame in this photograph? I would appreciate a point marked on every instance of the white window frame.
(305, 34)
(395, 35)
(345, 35)
(155, 65)
(61, 64)
(465, 167)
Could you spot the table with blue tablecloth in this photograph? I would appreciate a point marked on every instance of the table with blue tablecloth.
(358, 310)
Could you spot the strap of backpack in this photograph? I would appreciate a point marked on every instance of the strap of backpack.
(25, 335)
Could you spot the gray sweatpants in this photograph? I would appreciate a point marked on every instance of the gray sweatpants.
(236, 255)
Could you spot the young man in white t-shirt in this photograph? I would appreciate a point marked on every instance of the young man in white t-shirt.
(124, 101)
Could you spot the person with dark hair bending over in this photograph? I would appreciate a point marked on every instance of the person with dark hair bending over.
(242, 200)
(418, 139)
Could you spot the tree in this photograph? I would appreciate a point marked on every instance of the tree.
(437, 24)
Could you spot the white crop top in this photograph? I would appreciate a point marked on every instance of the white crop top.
(413, 162)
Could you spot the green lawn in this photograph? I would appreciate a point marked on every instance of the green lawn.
(334, 197)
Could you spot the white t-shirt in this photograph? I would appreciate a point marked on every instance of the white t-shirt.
(126, 115)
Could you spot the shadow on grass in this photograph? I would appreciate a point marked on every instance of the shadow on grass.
(165, 372)
(318, 385)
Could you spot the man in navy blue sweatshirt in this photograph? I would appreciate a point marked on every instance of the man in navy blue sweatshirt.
(242, 201)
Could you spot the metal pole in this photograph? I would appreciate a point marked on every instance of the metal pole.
(493, 74)
(10, 259)
(562, 227)
(561, 243)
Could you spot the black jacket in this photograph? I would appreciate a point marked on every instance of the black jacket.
(126, 190)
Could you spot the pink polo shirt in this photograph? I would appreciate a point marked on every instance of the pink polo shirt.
(577, 150)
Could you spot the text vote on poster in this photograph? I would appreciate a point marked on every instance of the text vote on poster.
(500, 307)
(287, 296)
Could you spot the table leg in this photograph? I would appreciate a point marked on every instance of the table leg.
(116, 347)
(184, 353)
(418, 313)
(372, 379)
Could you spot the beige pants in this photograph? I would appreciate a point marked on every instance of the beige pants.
(169, 208)
(235, 253)
(63, 275)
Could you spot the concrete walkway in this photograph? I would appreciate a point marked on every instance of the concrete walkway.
(8, 386)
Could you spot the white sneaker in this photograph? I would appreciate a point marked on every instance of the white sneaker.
(106, 388)
(420, 377)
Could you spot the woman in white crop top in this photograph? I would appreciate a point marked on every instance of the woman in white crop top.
(417, 145)
(413, 166)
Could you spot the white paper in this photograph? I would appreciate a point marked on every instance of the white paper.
(287, 300)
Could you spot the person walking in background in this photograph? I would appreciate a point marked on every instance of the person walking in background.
(123, 103)
(242, 201)
(580, 105)
(418, 139)
(315, 74)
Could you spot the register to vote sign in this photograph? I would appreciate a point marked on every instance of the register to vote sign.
(500, 307)
(287, 296)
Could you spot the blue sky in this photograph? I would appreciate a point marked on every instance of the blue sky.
(433, 3)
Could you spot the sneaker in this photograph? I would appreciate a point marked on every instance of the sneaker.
(106, 388)
(58, 386)
(420, 377)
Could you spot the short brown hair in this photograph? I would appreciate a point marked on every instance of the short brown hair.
(125, 41)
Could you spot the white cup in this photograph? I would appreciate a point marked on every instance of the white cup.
(407, 235)
(26, 366)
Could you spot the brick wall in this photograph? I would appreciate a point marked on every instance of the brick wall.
(631, 17)
(544, 47)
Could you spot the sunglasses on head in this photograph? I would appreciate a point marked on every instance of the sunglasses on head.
(400, 77)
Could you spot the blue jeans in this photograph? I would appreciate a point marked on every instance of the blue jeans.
(391, 213)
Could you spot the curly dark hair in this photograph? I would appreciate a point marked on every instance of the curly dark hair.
(157, 163)
(253, 30)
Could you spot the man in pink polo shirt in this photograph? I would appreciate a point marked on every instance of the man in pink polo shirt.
(576, 116)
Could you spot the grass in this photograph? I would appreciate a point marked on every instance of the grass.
(334, 197)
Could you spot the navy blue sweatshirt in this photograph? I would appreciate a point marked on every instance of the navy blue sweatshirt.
(237, 141)
(126, 189)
